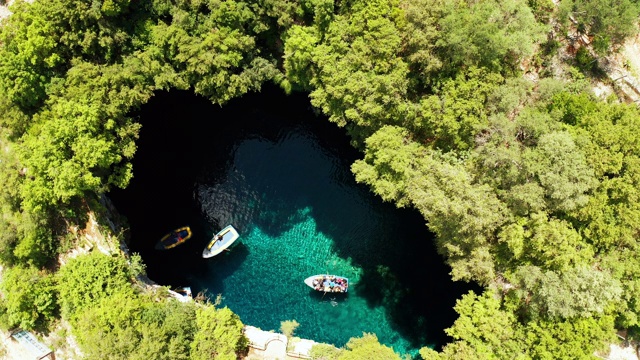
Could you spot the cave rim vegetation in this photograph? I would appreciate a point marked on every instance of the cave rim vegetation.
(477, 120)
(270, 101)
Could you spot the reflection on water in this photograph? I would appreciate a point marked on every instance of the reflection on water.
(265, 164)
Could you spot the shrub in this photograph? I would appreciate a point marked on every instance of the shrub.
(88, 278)
(288, 327)
(30, 298)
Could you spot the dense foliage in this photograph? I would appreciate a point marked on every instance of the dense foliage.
(532, 187)
(111, 320)
(365, 347)
(30, 301)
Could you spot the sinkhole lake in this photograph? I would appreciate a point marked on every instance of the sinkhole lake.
(280, 173)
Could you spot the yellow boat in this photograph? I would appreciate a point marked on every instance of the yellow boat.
(174, 238)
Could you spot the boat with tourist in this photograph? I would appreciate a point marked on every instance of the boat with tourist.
(174, 238)
(221, 242)
(328, 283)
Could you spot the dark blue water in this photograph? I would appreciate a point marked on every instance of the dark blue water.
(280, 175)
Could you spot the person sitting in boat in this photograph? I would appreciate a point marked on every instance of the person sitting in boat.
(326, 285)
(217, 237)
(322, 283)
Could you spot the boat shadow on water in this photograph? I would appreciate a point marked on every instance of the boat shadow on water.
(216, 269)
(229, 258)
(334, 298)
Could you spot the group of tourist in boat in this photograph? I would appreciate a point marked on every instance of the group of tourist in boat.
(226, 237)
(330, 283)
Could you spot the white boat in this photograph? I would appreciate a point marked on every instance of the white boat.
(220, 242)
(183, 294)
(184, 291)
(328, 283)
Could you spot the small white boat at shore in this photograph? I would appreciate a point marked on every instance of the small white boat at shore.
(220, 242)
(183, 294)
(328, 283)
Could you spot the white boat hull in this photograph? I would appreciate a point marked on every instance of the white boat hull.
(229, 236)
(339, 284)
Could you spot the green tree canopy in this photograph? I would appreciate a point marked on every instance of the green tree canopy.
(576, 292)
(367, 347)
(452, 117)
(561, 170)
(492, 34)
(569, 339)
(483, 331)
(125, 326)
(219, 335)
(444, 37)
(359, 78)
(607, 22)
(29, 296)
(29, 56)
(462, 213)
(86, 279)
(530, 187)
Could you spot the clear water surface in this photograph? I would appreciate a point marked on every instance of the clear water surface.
(281, 175)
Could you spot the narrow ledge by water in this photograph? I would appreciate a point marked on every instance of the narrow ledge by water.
(263, 344)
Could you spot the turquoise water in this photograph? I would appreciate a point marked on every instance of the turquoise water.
(280, 175)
